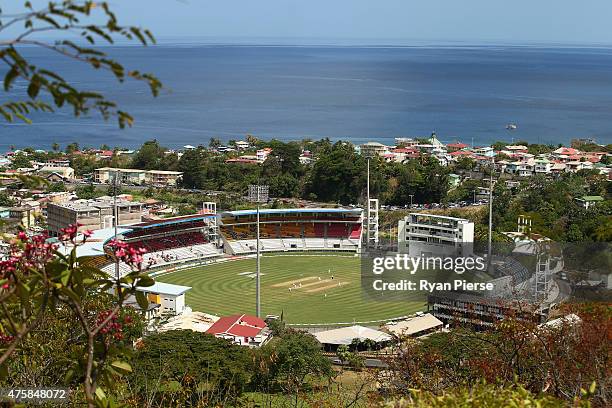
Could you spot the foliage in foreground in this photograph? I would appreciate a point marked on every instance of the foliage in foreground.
(51, 298)
(560, 361)
(482, 396)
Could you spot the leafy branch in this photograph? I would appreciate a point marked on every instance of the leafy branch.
(75, 18)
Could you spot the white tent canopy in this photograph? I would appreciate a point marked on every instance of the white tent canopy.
(346, 335)
(414, 325)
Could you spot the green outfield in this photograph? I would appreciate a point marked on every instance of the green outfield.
(305, 288)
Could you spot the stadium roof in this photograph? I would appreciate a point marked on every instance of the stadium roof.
(345, 335)
(414, 325)
(291, 211)
(94, 245)
(165, 289)
(174, 220)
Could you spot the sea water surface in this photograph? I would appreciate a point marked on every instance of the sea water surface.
(466, 93)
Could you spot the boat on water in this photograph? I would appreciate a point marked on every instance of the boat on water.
(511, 126)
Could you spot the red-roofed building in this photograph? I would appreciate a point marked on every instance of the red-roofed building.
(244, 330)
(462, 153)
(453, 147)
(244, 160)
(401, 154)
(104, 154)
(566, 151)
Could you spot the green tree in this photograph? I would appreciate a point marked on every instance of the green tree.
(72, 147)
(87, 192)
(214, 142)
(5, 200)
(57, 187)
(293, 359)
(20, 160)
(183, 368)
(287, 155)
(338, 175)
(465, 163)
(149, 156)
(252, 140)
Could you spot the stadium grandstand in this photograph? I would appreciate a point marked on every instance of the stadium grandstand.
(193, 238)
(168, 241)
(293, 229)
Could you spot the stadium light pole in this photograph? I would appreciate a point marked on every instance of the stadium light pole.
(258, 194)
(258, 267)
(489, 252)
(116, 222)
(368, 205)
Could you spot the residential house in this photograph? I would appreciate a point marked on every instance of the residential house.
(589, 201)
(542, 166)
(262, 154)
(372, 149)
(574, 166)
(453, 147)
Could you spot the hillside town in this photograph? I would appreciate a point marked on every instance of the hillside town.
(513, 163)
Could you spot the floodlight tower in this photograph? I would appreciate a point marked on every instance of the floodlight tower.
(116, 182)
(212, 228)
(371, 212)
(490, 238)
(258, 194)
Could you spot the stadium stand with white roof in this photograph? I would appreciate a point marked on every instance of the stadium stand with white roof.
(189, 239)
(295, 229)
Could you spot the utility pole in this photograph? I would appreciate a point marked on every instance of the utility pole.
(411, 195)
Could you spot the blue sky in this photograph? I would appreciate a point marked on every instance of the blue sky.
(507, 21)
(370, 21)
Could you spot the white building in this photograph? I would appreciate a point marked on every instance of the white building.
(262, 154)
(162, 178)
(373, 149)
(64, 172)
(171, 298)
(242, 145)
(416, 326)
(574, 166)
(543, 166)
(425, 235)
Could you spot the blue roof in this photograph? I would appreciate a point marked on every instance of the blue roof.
(170, 221)
(292, 211)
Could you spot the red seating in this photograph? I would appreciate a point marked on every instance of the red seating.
(336, 230)
(173, 241)
(355, 232)
(164, 229)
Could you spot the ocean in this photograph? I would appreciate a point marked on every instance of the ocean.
(464, 93)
